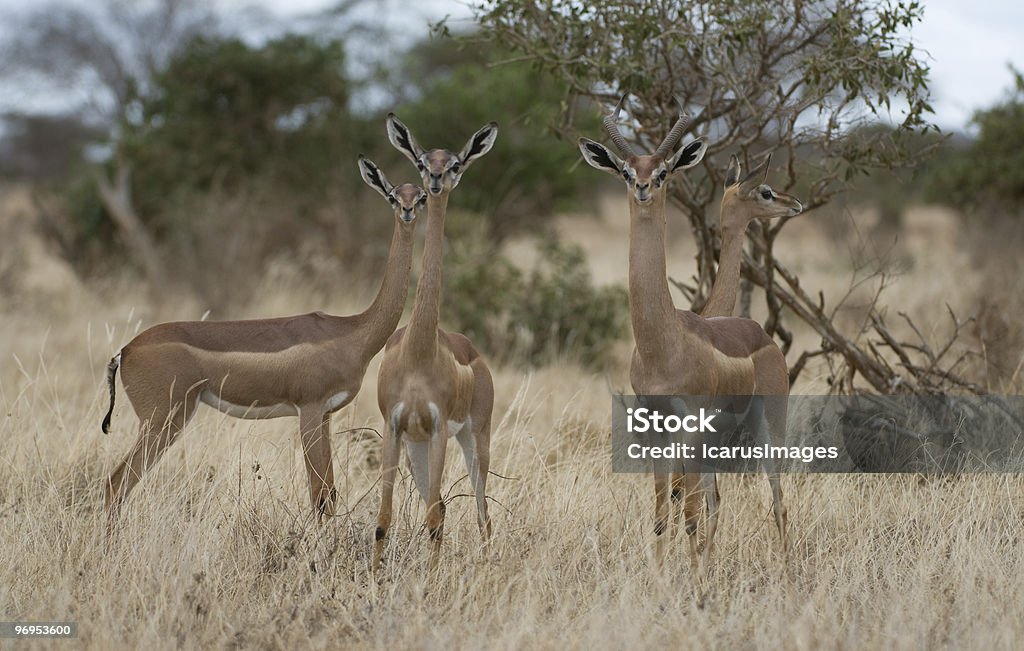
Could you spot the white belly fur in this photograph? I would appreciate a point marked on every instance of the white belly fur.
(337, 401)
(248, 412)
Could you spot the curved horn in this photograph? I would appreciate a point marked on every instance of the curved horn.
(613, 130)
(674, 134)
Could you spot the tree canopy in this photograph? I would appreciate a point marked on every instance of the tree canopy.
(223, 111)
(788, 76)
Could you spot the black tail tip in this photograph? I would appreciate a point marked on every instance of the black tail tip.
(105, 426)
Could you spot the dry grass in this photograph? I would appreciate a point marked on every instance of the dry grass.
(216, 546)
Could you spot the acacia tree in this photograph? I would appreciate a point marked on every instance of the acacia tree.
(800, 78)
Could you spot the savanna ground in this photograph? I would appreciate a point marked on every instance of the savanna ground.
(216, 545)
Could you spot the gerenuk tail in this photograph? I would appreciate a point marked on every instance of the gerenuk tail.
(112, 367)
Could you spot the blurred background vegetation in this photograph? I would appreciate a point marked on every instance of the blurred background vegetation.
(234, 152)
(235, 149)
(979, 170)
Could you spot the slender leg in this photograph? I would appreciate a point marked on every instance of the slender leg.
(435, 507)
(661, 515)
(678, 495)
(709, 485)
(483, 456)
(481, 411)
(691, 511)
(389, 466)
(315, 434)
(325, 442)
(772, 427)
(779, 509)
(475, 466)
(772, 378)
(156, 434)
(686, 492)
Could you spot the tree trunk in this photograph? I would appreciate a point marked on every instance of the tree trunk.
(117, 200)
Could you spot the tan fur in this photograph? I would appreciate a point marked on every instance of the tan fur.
(430, 377)
(682, 353)
(309, 365)
(679, 353)
(742, 203)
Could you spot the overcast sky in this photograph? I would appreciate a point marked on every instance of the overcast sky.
(969, 44)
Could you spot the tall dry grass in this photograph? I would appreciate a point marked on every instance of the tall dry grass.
(216, 545)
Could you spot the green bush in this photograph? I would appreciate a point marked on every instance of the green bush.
(223, 113)
(238, 153)
(530, 318)
(988, 172)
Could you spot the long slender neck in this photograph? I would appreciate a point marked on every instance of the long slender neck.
(421, 335)
(722, 300)
(650, 303)
(381, 318)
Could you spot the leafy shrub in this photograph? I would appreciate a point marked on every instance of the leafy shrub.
(530, 318)
(988, 172)
(224, 111)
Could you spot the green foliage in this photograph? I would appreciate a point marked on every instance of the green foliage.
(989, 171)
(563, 310)
(459, 87)
(531, 318)
(237, 153)
(981, 174)
(808, 75)
(224, 112)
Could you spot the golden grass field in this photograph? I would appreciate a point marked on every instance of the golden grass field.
(216, 545)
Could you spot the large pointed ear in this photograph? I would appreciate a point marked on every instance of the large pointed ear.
(479, 144)
(402, 139)
(732, 175)
(374, 177)
(756, 176)
(599, 157)
(688, 156)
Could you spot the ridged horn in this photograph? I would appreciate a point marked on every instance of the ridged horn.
(674, 134)
(613, 132)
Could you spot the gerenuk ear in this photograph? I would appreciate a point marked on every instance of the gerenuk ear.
(599, 157)
(479, 144)
(401, 138)
(732, 175)
(374, 177)
(757, 176)
(691, 154)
